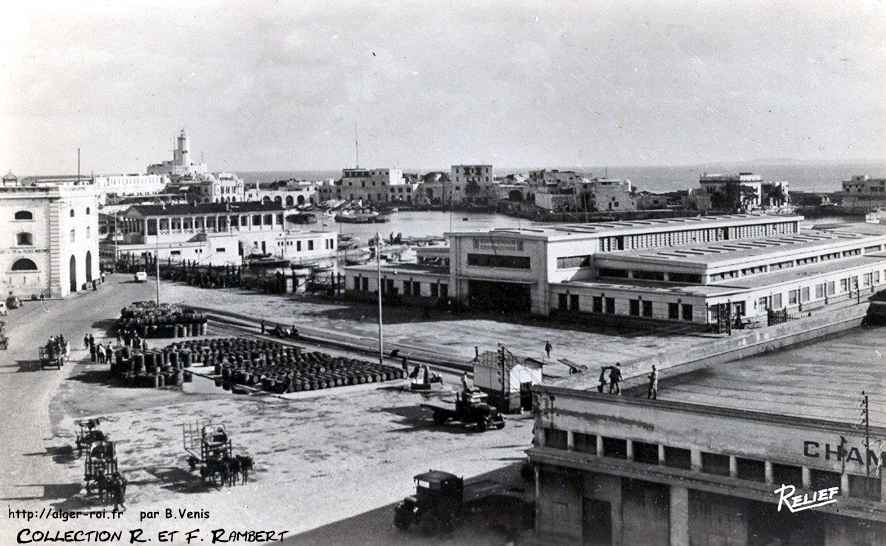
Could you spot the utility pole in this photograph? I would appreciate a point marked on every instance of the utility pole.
(501, 361)
(381, 346)
(865, 415)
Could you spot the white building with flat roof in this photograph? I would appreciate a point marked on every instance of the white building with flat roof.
(48, 238)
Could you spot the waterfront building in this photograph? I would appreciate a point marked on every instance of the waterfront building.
(606, 195)
(216, 234)
(435, 187)
(370, 186)
(49, 241)
(863, 193)
(705, 466)
(181, 164)
(286, 193)
(128, 185)
(471, 183)
(742, 192)
(695, 271)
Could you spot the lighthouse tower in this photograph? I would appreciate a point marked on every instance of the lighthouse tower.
(181, 156)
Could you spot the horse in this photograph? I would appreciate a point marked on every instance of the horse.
(246, 464)
(233, 469)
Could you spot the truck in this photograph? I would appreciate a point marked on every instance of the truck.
(469, 408)
(442, 500)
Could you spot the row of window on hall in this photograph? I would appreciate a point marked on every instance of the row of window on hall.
(25, 238)
(329, 244)
(28, 215)
(636, 307)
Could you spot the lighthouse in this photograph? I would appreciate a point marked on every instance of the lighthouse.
(181, 155)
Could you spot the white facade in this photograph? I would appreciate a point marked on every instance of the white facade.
(48, 238)
(129, 184)
(864, 193)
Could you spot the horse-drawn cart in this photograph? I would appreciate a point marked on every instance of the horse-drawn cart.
(100, 473)
(209, 449)
(89, 432)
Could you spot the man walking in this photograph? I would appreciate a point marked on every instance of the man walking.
(91, 347)
(653, 384)
(602, 384)
(548, 348)
(615, 378)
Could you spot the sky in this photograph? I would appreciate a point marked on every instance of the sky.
(264, 85)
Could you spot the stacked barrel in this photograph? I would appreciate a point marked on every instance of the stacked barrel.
(137, 368)
(274, 367)
(149, 320)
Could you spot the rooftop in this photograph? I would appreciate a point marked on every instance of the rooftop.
(630, 227)
(206, 208)
(741, 250)
(822, 380)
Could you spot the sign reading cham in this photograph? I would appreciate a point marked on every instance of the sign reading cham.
(841, 452)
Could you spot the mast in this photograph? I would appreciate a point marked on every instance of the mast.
(356, 148)
(78, 164)
(381, 347)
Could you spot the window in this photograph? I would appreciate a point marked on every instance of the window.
(673, 311)
(175, 252)
(88, 232)
(634, 308)
(73, 235)
(24, 215)
(499, 260)
(298, 246)
(793, 297)
(607, 272)
(24, 239)
(573, 302)
(72, 213)
(687, 311)
(310, 244)
(819, 291)
(221, 249)
(647, 308)
(650, 275)
(597, 304)
(569, 262)
(610, 306)
(435, 291)
(832, 288)
(804, 294)
(776, 301)
(562, 302)
(844, 285)
(87, 211)
(24, 264)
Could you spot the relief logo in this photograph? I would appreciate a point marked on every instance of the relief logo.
(806, 501)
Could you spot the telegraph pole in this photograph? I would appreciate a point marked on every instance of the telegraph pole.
(867, 441)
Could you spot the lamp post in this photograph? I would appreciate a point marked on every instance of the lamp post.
(157, 260)
(381, 346)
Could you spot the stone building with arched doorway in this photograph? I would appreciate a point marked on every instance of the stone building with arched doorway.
(48, 237)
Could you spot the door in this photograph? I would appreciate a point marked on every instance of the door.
(72, 273)
(526, 396)
(596, 523)
(88, 266)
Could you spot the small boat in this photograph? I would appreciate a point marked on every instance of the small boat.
(302, 218)
(356, 217)
(465, 219)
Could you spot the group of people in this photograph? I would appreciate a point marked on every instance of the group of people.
(615, 378)
(97, 352)
(58, 346)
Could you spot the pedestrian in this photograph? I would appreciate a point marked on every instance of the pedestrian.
(602, 384)
(85, 341)
(91, 341)
(144, 344)
(615, 378)
(548, 347)
(91, 350)
(405, 365)
(100, 351)
(476, 353)
(653, 384)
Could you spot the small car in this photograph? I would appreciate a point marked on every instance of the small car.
(141, 276)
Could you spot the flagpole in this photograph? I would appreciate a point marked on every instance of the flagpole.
(381, 347)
